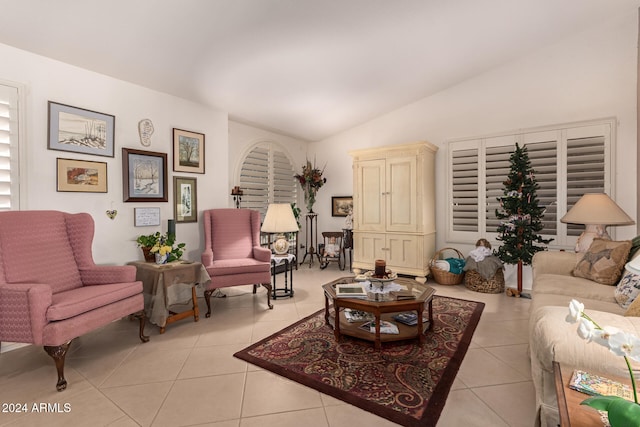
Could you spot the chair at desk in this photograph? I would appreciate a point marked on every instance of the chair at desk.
(332, 249)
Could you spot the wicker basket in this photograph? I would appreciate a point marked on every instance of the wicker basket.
(474, 281)
(441, 276)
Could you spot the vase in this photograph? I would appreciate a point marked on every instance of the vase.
(309, 197)
(161, 259)
(148, 255)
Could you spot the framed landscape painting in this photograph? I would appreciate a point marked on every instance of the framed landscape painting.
(341, 206)
(144, 176)
(188, 151)
(80, 131)
(81, 176)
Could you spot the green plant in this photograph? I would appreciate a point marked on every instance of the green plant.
(164, 244)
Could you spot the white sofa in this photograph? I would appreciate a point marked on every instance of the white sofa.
(551, 338)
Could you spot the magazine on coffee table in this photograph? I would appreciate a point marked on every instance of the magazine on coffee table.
(596, 385)
(385, 327)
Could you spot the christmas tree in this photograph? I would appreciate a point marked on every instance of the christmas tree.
(520, 214)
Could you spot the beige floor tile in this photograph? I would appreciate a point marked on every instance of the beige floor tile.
(307, 418)
(264, 329)
(514, 403)
(139, 402)
(202, 400)
(148, 365)
(464, 408)
(481, 368)
(123, 422)
(491, 334)
(267, 393)
(516, 356)
(226, 334)
(213, 360)
(350, 416)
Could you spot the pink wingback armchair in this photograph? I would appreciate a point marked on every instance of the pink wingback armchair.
(51, 291)
(232, 253)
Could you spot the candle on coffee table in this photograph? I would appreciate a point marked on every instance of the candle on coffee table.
(381, 268)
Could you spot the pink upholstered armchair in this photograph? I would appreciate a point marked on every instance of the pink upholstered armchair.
(232, 253)
(51, 291)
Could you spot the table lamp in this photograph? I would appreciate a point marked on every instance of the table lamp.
(595, 211)
(279, 219)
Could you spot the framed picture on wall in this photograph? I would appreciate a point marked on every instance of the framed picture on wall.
(185, 199)
(144, 176)
(81, 176)
(341, 206)
(80, 131)
(188, 151)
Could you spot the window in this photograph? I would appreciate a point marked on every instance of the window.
(266, 176)
(9, 160)
(568, 161)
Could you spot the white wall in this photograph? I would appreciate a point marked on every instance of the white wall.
(590, 75)
(46, 80)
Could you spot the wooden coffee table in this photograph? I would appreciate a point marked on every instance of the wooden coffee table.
(382, 310)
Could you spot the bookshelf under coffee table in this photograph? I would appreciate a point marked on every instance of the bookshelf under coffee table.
(381, 310)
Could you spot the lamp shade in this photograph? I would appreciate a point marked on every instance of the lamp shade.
(279, 219)
(597, 209)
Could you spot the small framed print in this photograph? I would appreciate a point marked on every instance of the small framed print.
(81, 176)
(185, 199)
(188, 151)
(144, 176)
(341, 206)
(144, 217)
(80, 131)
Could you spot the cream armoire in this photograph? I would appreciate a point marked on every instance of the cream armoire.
(394, 207)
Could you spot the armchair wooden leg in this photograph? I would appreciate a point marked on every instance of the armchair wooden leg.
(269, 288)
(142, 316)
(207, 299)
(58, 354)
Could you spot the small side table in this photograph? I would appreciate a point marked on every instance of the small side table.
(288, 260)
(167, 284)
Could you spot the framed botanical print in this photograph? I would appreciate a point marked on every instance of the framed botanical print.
(80, 131)
(81, 176)
(185, 199)
(188, 151)
(144, 176)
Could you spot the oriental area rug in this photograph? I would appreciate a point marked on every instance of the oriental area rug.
(406, 382)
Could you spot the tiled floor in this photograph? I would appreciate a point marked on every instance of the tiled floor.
(188, 375)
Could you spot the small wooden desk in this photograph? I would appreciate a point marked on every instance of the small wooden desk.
(572, 413)
(167, 284)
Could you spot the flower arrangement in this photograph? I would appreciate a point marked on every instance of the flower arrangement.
(162, 244)
(310, 180)
(621, 412)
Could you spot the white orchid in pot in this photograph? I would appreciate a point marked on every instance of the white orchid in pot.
(621, 412)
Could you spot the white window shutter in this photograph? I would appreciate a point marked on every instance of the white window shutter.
(9, 172)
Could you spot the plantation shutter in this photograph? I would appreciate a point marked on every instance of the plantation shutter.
(9, 184)
(543, 154)
(586, 156)
(497, 169)
(464, 180)
(266, 176)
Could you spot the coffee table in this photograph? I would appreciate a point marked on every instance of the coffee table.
(382, 310)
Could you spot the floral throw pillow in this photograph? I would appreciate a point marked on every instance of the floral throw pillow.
(604, 261)
(628, 289)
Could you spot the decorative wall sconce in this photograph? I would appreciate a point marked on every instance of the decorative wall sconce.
(236, 192)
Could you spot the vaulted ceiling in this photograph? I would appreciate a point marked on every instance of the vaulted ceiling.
(305, 68)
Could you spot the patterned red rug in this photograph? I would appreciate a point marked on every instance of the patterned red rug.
(405, 382)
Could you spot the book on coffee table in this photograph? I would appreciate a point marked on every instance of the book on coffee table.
(596, 385)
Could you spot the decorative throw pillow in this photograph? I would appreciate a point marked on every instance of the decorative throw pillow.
(628, 289)
(634, 309)
(603, 261)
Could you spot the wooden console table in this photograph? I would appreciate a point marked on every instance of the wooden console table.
(167, 284)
